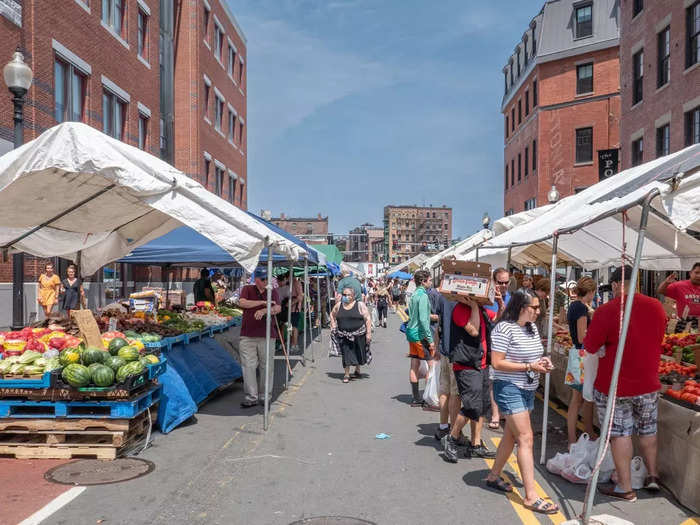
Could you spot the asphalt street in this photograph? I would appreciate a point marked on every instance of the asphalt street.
(320, 457)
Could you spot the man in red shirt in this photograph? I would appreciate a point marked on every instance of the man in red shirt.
(685, 293)
(469, 343)
(252, 347)
(637, 397)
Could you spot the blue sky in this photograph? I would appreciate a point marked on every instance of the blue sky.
(355, 104)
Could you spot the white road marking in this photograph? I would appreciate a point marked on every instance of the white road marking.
(53, 506)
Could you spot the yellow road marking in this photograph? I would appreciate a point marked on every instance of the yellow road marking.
(402, 314)
(556, 518)
(516, 500)
(692, 521)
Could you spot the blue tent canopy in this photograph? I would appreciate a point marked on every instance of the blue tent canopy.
(185, 246)
(313, 254)
(400, 275)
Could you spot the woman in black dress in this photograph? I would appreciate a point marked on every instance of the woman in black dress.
(72, 293)
(351, 330)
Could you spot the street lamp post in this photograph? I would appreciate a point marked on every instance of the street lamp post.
(18, 78)
(486, 220)
(553, 195)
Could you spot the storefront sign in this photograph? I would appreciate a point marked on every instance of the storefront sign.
(608, 163)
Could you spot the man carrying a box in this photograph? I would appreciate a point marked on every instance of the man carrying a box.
(421, 346)
(501, 280)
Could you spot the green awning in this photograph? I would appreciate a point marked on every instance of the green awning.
(331, 252)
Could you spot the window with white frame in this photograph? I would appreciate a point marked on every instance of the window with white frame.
(205, 23)
(219, 109)
(231, 124)
(113, 114)
(205, 175)
(241, 65)
(143, 131)
(584, 20)
(69, 92)
(231, 188)
(692, 127)
(143, 35)
(240, 132)
(205, 102)
(231, 59)
(218, 42)
(113, 16)
(219, 182)
(663, 140)
(530, 204)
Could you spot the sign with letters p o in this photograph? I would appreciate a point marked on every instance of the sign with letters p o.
(608, 163)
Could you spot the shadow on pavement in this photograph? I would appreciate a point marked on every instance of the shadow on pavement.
(403, 398)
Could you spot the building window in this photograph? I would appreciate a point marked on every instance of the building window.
(520, 167)
(218, 42)
(143, 35)
(505, 79)
(512, 118)
(240, 132)
(219, 109)
(520, 111)
(527, 162)
(231, 189)
(113, 15)
(692, 31)
(584, 21)
(205, 23)
(506, 175)
(241, 65)
(692, 127)
(584, 145)
(638, 77)
(664, 57)
(534, 156)
(527, 102)
(511, 73)
(506, 126)
(637, 7)
(534, 93)
(518, 62)
(113, 115)
(638, 151)
(231, 125)
(205, 105)
(218, 188)
(69, 92)
(231, 60)
(143, 131)
(534, 43)
(530, 204)
(663, 140)
(584, 79)
(512, 172)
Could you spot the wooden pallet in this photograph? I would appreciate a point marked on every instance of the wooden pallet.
(72, 438)
(71, 394)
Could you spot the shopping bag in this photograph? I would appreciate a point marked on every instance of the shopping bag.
(334, 345)
(574, 368)
(432, 387)
(580, 474)
(639, 472)
(590, 365)
(558, 463)
(423, 370)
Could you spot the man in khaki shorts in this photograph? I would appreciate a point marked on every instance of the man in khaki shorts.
(449, 396)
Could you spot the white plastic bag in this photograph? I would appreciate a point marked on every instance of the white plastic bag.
(558, 463)
(580, 474)
(639, 472)
(590, 371)
(432, 387)
(423, 370)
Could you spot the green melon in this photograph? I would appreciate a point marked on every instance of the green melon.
(115, 344)
(93, 355)
(93, 366)
(128, 353)
(102, 375)
(115, 362)
(69, 356)
(76, 375)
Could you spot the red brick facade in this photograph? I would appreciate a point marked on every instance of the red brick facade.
(313, 230)
(553, 122)
(669, 103)
(199, 145)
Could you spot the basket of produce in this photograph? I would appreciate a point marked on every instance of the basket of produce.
(688, 395)
(29, 370)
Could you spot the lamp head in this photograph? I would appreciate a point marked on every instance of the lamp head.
(17, 74)
(553, 195)
(486, 220)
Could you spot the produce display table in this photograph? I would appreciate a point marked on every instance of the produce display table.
(679, 452)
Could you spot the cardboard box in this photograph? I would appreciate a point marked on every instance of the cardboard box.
(467, 279)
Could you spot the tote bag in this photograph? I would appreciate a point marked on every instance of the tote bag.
(574, 367)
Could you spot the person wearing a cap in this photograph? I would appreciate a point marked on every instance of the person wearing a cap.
(637, 397)
(252, 345)
(685, 293)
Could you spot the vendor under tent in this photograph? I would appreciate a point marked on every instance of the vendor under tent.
(107, 198)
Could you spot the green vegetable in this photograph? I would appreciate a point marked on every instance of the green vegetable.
(29, 356)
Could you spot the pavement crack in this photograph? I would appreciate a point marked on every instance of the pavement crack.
(273, 456)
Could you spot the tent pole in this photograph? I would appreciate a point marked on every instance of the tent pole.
(550, 329)
(289, 317)
(318, 310)
(477, 255)
(268, 335)
(509, 258)
(605, 425)
(306, 308)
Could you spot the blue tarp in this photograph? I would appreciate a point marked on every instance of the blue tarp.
(400, 275)
(176, 404)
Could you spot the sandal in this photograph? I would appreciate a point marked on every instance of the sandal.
(542, 506)
(499, 484)
(357, 375)
(346, 379)
(494, 425)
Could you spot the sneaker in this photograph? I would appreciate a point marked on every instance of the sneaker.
(441, 433)
(651, 483)
(249, 404)
(449, 447)
(462, 441)
(480, 451)
(417, 403)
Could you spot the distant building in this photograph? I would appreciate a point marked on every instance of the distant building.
(561, 102)
(366, 244)
(313, 230)
(410, 230)
(660, 72)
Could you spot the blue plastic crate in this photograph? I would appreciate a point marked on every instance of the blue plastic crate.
(218, 328)
(193, 336)
(157, 369)
(81, 409)
(179, 338)
(46, 381)
(156, 345)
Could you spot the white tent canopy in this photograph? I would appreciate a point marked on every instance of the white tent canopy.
(460, 248)
(417, 260)
(84, 192)
(592, 220)
(511, 221)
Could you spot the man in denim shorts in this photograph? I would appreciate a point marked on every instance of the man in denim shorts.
(637, 399)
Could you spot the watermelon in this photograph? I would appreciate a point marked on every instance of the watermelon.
(93, 355)
(128, 353)
(102, 375)
(93, 366)
(69, 356)
(130, 334)
(115, 362)
(150, 359)
(130, 369)
(76, 375)
(115, 344)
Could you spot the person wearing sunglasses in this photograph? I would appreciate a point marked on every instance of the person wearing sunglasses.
(516, 356)
(351, 332)
(252, 346)
(501, 281)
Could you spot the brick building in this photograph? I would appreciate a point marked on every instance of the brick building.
(660, 78)
(410, 230)
(366, 244)
(167, 77)
(313, 230)
(561, 103)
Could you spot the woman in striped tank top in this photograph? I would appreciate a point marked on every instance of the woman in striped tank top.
(516, 356)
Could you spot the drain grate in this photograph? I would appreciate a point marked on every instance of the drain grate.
(333, 520)
(97, 472)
